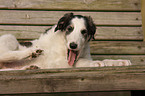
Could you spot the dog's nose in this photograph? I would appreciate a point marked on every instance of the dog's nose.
(73, 45)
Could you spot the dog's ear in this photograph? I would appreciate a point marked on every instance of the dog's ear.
(64, 22)
(91, 27)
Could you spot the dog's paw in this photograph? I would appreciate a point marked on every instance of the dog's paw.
(117, 62)
(35, 53)
(32, 67)
(97, 64)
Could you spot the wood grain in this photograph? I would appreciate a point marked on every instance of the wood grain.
(103, 33)
(117, 47)
(132, 5)
(80, 80)
(52, 17)
(119, 33)
(24, 32)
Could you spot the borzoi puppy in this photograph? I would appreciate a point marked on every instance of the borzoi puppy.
(65, 45)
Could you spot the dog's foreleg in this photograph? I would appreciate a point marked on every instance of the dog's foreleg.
(107, 62)
(110, 62)
(89, 63)
(19, 55)
(119, 62)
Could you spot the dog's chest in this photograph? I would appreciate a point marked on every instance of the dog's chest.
(54, 54)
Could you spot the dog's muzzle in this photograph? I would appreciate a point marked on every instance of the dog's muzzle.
(73, 45)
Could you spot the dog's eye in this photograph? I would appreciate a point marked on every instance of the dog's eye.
(84, 32)
(70, 29)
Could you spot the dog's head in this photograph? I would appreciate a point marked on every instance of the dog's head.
(78, 31)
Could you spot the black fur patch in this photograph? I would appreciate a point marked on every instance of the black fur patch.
(27, 44)
(64, 22)
(91, 27)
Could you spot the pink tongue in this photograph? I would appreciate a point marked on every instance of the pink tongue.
(71, 58)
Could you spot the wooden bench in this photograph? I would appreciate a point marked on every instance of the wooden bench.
(119, 36)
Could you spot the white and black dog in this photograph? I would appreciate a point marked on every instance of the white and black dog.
(65, 45)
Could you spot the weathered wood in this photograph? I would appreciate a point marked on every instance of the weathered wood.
(52, 17)
(119, 33)
(72, 4)
(117, 47)
(73, 80)
(135, 59)
(24, 32)
(103, 33)
(78, 79)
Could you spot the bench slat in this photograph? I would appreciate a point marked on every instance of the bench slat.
(103, 33)
(132, 5)
(119, 33)
(117, 47)
(80, 80)
(52, 17)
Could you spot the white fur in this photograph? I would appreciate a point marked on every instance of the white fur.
(76, 36)
(55, 45)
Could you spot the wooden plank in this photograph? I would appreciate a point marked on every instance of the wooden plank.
(80, 80)
(135, 59)
(119, 33)
(52, 17)
(23, 32)
(117, 47)
(103, 33)
(132, 5)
